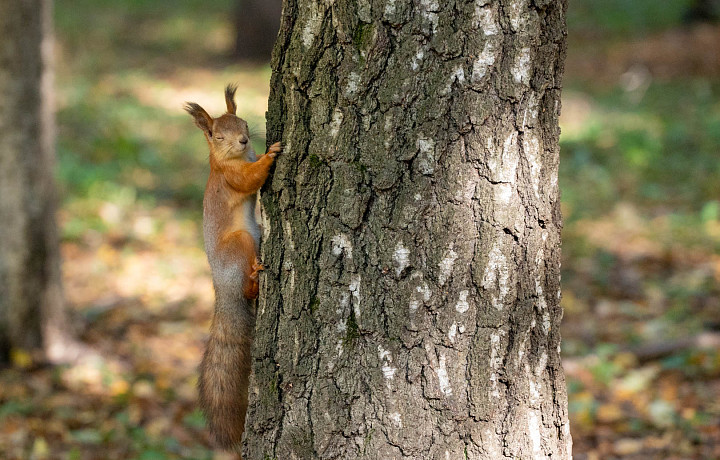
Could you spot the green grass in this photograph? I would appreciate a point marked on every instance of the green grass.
(617, 19)
(659, 152)
(640, 181)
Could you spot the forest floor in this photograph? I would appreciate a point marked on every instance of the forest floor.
(641, 246)
(640, 179)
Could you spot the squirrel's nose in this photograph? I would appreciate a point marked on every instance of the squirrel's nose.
(243, 139)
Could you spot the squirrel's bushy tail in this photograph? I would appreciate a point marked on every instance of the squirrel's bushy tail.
(225, 370)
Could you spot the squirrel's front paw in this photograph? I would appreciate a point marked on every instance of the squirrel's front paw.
(275, 149)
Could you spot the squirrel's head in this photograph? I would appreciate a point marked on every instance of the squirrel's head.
(227, 134)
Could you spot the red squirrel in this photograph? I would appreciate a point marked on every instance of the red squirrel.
(231, 243)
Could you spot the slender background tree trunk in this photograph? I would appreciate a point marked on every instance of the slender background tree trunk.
(31, 301)
(410, 304)
(257, 23)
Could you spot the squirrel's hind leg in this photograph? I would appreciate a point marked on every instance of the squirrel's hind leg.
(252, 286)
(242, 245)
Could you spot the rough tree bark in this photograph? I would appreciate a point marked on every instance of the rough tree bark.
(410, 303)
(31, 301)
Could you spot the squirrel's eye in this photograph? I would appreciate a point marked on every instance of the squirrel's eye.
(220, 138)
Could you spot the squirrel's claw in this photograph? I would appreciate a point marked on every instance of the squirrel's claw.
(275, 149)
(256, 267)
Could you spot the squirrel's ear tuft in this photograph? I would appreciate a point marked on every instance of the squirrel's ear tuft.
(201, 117)
(230, 98)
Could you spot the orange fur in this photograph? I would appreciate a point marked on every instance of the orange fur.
(230, 230)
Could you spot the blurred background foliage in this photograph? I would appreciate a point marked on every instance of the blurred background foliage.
(640, 180)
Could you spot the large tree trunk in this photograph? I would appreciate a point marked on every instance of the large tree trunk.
(410, 303)
(31, 301)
